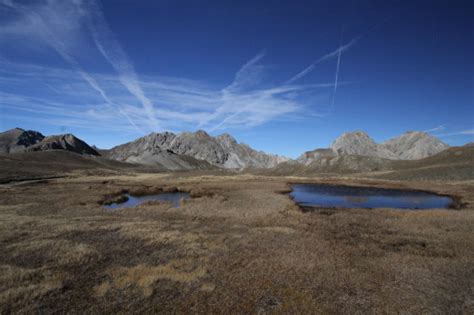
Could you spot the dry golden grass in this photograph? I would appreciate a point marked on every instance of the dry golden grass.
(145, 277)
(239, 246)
(21, 285)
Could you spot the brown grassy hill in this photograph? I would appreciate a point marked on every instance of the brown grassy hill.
(456, 163)
(343, 164)
(43, 164)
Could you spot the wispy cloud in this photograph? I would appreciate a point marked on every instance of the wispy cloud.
(124, 100)
(56, 23)
(242, 97)
(197, 105)
(112, 51)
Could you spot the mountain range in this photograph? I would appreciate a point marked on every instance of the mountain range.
(198, 150)
(169, 149)
(412, 145)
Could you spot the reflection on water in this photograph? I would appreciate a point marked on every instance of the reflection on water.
(132, 201)
(365, 197)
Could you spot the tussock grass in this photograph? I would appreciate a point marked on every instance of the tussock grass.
(20, 286)
(61, 251)
(239, 246)
(144, 277)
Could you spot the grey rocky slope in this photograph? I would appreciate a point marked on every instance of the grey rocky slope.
(456, 163)
(359, 143)
(20, 140)
(414, 145)
(222, 151)
(17, 140)
(149, 150)
(318, 155)
(329, 162)
(66, 142)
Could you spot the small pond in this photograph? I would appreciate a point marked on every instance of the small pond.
(337, 196)
(132, 201)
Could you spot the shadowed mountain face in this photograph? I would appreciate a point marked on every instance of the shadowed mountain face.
(168, 148)
(17, 140)
(66, 142)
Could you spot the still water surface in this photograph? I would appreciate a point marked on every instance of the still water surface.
(365, 197)
(132, 201)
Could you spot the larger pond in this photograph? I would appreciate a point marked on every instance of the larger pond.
(337, 196)
(131, 201)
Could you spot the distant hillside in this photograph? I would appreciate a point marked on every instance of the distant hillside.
(336, 164)
(181, 151)
(352, 152)
(412, 145)
(456, 163)
(66, 142)
(31, 165)
(317, 155)
(359, 143)
(17, 140)
(20, 140)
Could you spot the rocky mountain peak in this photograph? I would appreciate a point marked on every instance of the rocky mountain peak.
(411, 145)
(355, 137)
(18, 139)
(414, 145)
(202, 134)
(158, 139)
(226, 139)
(221, 151)
(67, 142)
(359, 143)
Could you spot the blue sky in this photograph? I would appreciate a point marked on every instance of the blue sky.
(282, 76)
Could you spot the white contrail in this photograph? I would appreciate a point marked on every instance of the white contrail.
(246, 101)
(459, 133)
(332, 54)
(335, 79)
(438, 128)
(59, 47)
(246, 75)
(112, 51)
